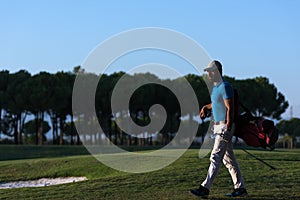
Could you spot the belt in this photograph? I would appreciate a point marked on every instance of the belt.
(220, 122)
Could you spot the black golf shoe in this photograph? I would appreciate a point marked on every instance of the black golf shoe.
(239, 192)
(201, 192)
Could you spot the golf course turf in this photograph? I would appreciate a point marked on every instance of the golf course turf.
(171, 182)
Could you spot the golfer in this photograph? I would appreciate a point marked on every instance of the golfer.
(223, 110)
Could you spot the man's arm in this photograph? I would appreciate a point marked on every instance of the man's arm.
(203, 110)
(229, 104)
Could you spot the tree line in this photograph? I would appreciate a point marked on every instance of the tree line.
(26, 101)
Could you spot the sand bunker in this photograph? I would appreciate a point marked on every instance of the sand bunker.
(41, 182)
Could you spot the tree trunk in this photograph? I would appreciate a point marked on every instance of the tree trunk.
(56, 129)
(78, 137)
(40, 135)
(61, 135)
(78, 140)
(40, 129)
(53, 132)
(121, 137)
(16, 141)
(72, 129)
(109, 129)
(116, 133)
(21, 122)
(72, 140)
(0, 122)
(129, 141)
(143, 139)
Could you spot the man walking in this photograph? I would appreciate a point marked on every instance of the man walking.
(222, 107)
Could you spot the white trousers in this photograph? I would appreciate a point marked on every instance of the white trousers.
(223, 152)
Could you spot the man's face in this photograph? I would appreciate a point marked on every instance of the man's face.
(214, 76)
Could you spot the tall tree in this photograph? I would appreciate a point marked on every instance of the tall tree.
(261, 97)
(30, 131)
(41, 90)
(61, 102)
(202, 92)
(290, 129)
(4, 77)
(17, 101)
(43, 93)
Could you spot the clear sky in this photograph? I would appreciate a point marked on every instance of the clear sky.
(251, 38)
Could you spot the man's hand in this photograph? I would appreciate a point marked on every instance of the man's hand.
(205, 111)
(226, 134)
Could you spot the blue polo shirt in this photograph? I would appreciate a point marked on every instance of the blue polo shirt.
(221, 91)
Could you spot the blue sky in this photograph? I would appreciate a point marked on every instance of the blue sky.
(251, 38)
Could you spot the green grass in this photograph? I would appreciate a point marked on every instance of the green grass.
(14, 152)
(172, 182)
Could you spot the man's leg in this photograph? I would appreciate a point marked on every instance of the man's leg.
(231, 164)
(216, 158)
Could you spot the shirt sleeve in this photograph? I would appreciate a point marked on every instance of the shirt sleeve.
(228, 92)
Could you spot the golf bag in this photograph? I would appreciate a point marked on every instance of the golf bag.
(255, 131)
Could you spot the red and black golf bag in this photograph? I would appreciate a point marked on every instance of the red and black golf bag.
(255, 131)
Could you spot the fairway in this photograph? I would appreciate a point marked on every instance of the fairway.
(172, 182)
